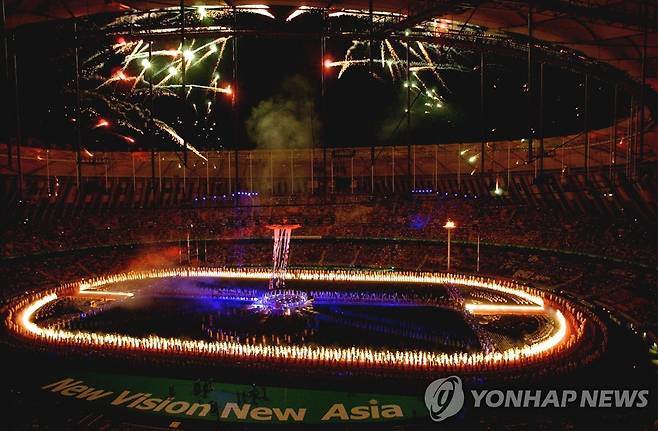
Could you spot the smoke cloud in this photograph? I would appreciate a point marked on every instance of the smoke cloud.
(287, 120)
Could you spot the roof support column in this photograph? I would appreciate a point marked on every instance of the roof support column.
(640, 155)
(483, 133)
(408, 85)
(613, 140)
(630, 138)
(234, 105)
(183, 82)
(586, 120)
(323, 143)
(371, 88)
(78, 119)
(19, 134)
(529, 84)
(150, 126)
(5, 73)
(540, 156)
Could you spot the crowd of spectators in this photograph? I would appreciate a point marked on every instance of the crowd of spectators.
(44, 252)
(354, 234)
(42, 247)
(624, 238)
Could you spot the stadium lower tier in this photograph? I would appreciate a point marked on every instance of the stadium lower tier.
(154, 318)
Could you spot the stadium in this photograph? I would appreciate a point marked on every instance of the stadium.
(343, 215)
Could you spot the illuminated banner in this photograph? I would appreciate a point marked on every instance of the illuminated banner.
(206, 400)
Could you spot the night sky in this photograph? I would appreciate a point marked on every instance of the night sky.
(282, 73)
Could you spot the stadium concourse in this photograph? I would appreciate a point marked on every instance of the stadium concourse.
(334, 215)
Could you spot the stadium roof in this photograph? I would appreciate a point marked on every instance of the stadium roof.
(611, 31)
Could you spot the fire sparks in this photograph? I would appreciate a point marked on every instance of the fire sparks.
(567, 331)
